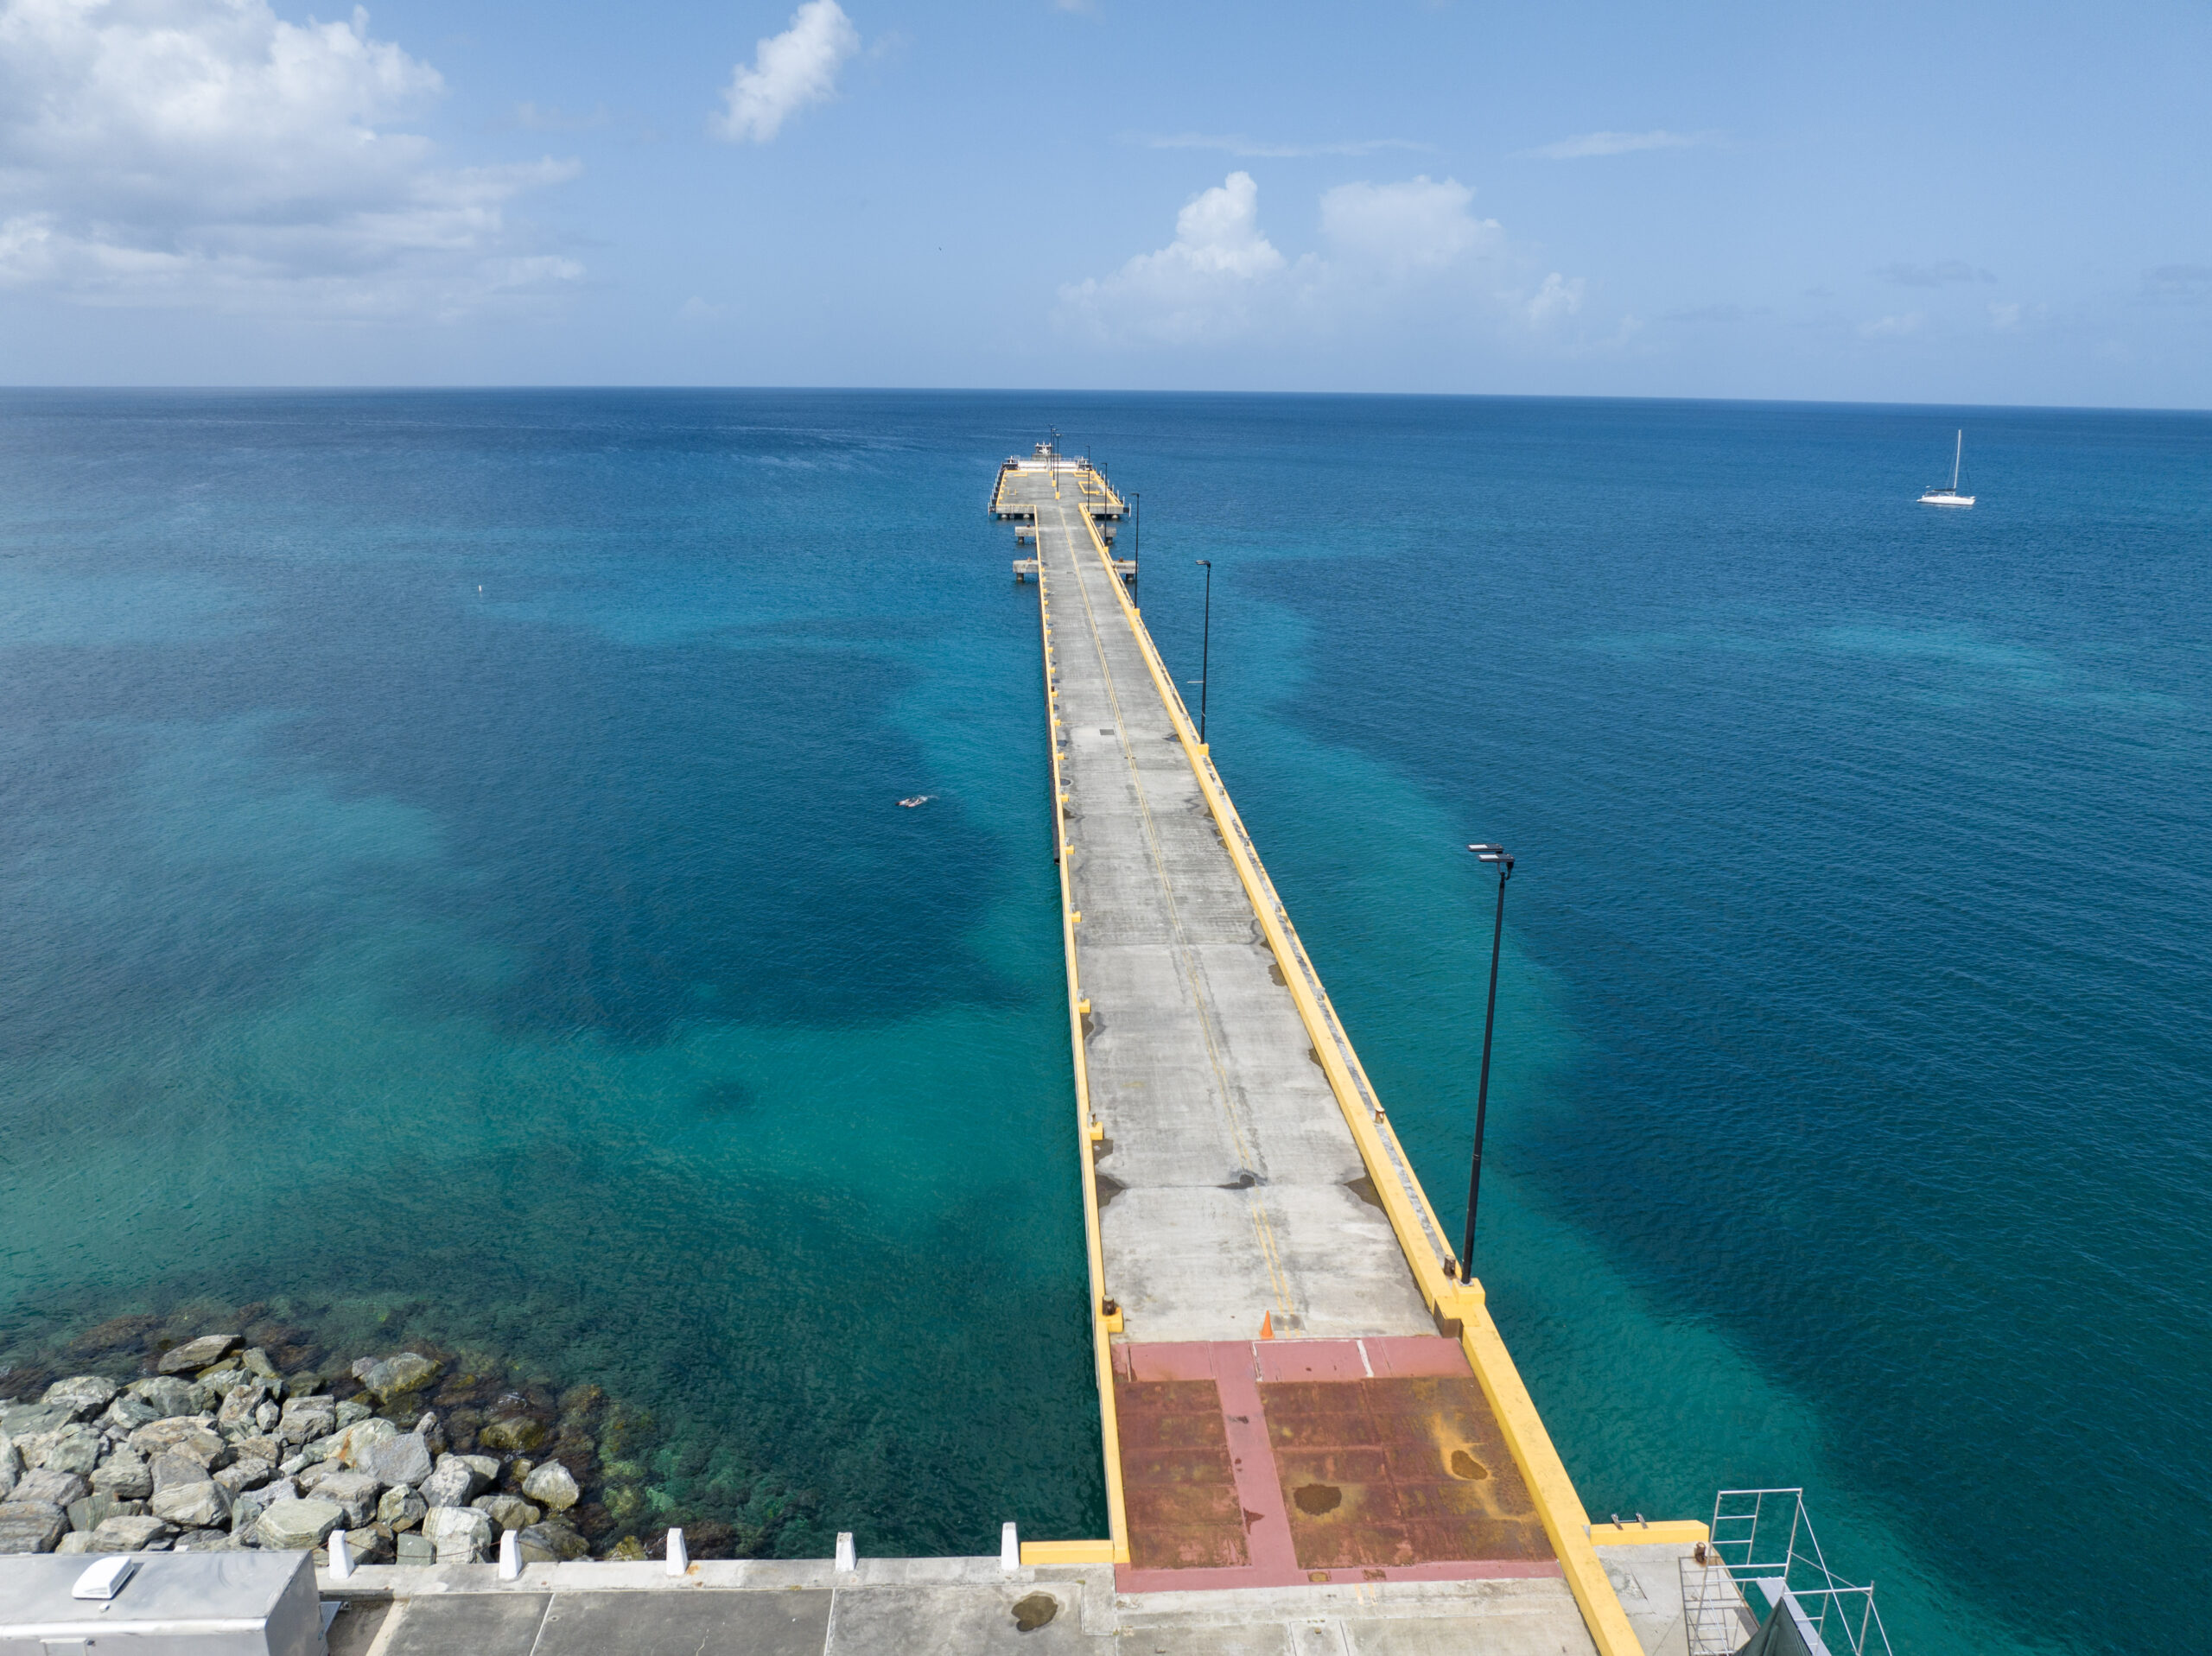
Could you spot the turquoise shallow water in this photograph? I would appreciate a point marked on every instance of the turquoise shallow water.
(452, 887)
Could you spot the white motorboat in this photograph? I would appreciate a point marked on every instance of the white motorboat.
(1950, 497)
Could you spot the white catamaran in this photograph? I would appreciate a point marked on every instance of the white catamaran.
(1950, 497)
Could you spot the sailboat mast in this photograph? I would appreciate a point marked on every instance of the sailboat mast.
(1958, 454)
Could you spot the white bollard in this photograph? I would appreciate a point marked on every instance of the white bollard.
(847, 1558)
(679, 1560)
(1009, 1550)
(341, 1557)
(510, 1556)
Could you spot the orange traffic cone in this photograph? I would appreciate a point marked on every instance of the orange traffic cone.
(1267, 1325)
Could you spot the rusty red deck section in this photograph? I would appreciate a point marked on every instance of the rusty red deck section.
(1261, 1463)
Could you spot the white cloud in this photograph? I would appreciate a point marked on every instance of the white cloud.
(1617, 143)
(1396, 262)
(790, 70)
(1558, 296)
(1419, 225)
(206, 153)
(1892, 327)
(1200, 285)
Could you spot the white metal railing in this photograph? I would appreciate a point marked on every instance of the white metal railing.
(1763, 1541)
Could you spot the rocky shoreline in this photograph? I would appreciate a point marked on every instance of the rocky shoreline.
(223, 1443)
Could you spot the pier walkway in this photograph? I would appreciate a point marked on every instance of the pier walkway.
(1295, 1390)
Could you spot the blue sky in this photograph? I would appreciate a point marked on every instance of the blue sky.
(1979, 204)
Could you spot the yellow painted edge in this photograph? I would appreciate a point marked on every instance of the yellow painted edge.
(1566, 1524)
(1100, 1335)
(1067, 1552)
(1663, 1532)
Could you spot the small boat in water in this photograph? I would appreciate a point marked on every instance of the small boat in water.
(1950, 497)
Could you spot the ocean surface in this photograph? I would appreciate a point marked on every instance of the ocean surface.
(452, 888)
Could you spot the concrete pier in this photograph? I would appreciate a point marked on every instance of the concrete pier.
(1296, 1394)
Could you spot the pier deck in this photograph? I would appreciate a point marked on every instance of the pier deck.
(1295, 1390)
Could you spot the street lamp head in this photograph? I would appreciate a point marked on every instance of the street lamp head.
(1208, 562)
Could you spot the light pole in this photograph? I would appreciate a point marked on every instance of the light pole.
(1205, 648)
(1503, 858)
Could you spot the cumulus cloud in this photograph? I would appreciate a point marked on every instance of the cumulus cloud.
(1419, 225)
(1556, 297)
(1892, 327)
(1933, 276)
(1200, 285)
(790, 70)
(1590, 144)
(1390, 252)
(207, 153)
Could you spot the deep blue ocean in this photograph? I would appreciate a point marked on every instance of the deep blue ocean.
(452, 887)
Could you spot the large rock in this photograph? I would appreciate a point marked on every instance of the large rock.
(55, 1488)
(84, 1395)
(551, 1486)
(551, 1543)
(306, 1419)
(202, 1506)
(121, 1534)
(164, 1394)
(355, 1445)
(355, 1492)
(404, 1458)
(38, 1525)
(11, 1465)
(243, 1474)
(387, 1378)
(412, 1547)
(124, 1475)
(185, 1435)
(247, 1509)
(461, 1534)
(21, 1420)
(400, 1509)
(89, 1512)
(258, 1361)
(196, 1355)
(508, 1511)
(350, 1410)
(127, 1413)
(258, 1449)
(171, 1470)
(296, 1525)
(453, 1483)
(516, 1435)
(235, 1419)
(72, 1449)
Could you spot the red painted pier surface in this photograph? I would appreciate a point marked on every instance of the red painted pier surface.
(1272, 1463)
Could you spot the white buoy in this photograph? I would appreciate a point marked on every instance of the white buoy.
(847, 1558)
(510, 1556)
(1009, 1550)
(679, 1560)
(341, 1557)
